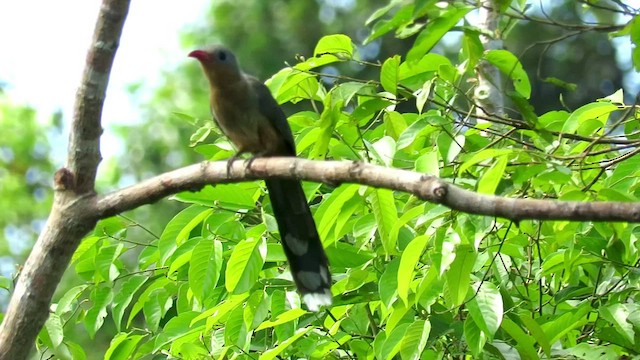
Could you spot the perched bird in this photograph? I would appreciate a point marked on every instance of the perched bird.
(250, 117)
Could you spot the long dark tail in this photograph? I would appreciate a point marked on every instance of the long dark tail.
(302, 245)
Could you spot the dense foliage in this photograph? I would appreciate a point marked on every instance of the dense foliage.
(411, 279)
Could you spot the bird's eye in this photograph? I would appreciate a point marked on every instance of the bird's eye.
(222, 56)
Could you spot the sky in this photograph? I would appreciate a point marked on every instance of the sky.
(44, 43)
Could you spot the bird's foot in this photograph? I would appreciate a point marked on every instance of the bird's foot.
(230, 162)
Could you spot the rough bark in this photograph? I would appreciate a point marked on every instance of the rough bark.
(488, 94)
(71, 217)
(428, 188)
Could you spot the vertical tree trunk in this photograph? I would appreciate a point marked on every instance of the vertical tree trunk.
(489, 92)
(73, 214)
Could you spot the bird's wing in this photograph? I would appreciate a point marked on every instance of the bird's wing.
(272, 111)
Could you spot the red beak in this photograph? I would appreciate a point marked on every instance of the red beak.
(199, 54)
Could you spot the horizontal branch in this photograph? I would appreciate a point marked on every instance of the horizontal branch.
(425, 187)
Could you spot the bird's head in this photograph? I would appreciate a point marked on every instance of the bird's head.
(219, 64)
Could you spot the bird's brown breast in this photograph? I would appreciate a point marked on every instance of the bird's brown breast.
(238, 115)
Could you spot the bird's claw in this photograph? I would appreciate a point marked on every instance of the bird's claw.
(230, 164)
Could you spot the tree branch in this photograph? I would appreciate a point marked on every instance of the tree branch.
(489, 91)
(425, 187)
(84, 138)
(71, 216)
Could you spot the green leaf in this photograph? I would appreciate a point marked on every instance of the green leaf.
(158, 303)
(415, 340)
(407, 216)
(393, 342)
(176, 328)
(403, 16)
(388, 285)
(292, 84)
(325, 349)
(435, 30)
(159, 283)
(87, 248)
(235, 333)
(366, 110)
(255, 310)
(486, 309)
(356, 279)
(285, 317)
(509, 65)
(490, 180)
(598, 110)
(384, 150)
(76, 351)
(221, 310)
(384, 209)
(449, 148)
(123, 297)
(100, 298)
(53, 327)
(328, 120)
(347, 91)
(445, 240)
(330, 208)
(618, 315)
(428, 163)
(389, 76)
(430, 289)
(525, 108)
(244, 265)
(474, 337)
(338, 44)
(561, 83)
(458, 275)
(6, 283)
(64, 305)
(204, 268)
(422, 95)
(381, 11)
(183, 253)
(316, 62)
(408, 262)
(559, 326)
(538, 334)
(344, 255)
(417, 73)
(394, 124)
(590, 351)
(415, 132)
(200, 135)
(122, 346)
(232, 196)
(344, 222)
(273, 353)
(111, 227)
(105, 261)
(179, 228)
(524, 343)
(482, 156)
(472, 48)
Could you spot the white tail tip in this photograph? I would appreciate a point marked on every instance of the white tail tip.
(316, 300)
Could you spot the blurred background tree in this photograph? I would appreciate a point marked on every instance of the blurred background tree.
(25, 179)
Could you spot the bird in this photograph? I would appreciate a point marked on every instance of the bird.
(248, 115)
